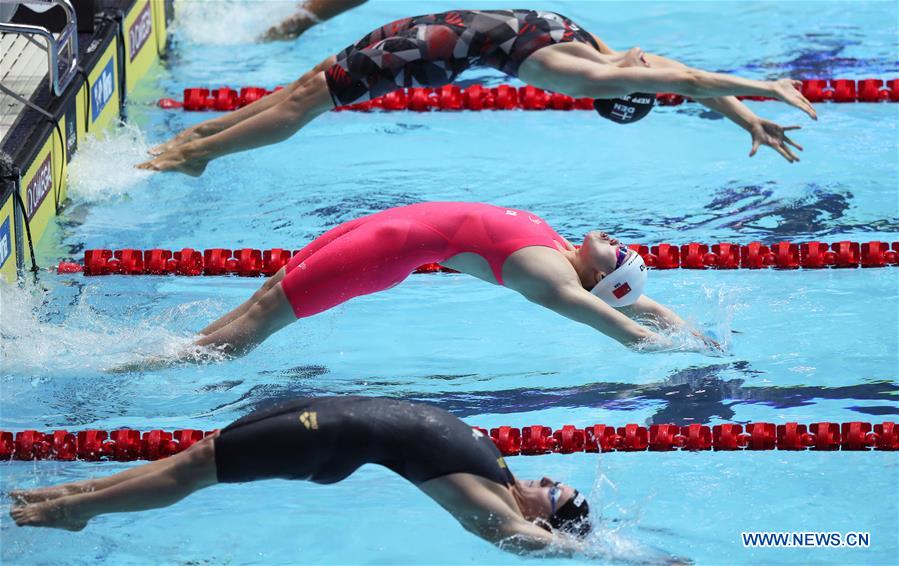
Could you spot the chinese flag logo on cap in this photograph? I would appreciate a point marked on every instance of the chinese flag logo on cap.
(621, 291)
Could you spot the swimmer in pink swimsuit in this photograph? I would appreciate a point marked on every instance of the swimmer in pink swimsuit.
(378, 251)
(503, 246)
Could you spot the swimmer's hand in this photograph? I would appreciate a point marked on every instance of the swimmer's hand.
(710, 346)
(190, 355)
(774, 136)
(151, 363)
(713, 346)
(787, 90)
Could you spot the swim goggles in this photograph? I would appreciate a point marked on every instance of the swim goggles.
(621, 255)
(554, 493)
(572, 517)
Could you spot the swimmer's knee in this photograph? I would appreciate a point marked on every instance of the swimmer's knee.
(199, 457)
(298, 99)
(308, 89)
(271, 312)
(269, 283)
(325, 65)
(203, 451)
(266, 287)
(311, 97)
(260, 292)
(259, 313)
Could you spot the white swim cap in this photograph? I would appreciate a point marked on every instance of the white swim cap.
(623, 286)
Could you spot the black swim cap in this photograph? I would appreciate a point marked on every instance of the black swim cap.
(573, 517)
(627, 109)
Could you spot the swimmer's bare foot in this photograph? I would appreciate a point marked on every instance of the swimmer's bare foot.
(186, 136)
(23, 496)
(55, 514)
(173, 160)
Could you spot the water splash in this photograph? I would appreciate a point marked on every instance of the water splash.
(228, 22)
(712, 338)
(104, 165)
(85, 340)
(610, 539)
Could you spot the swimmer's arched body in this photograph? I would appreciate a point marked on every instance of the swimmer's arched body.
(325, 440)
(508, 247)
(543, 49)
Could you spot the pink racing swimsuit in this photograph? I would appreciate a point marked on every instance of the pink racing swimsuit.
(378, 251)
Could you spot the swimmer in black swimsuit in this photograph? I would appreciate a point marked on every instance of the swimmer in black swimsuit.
(543, 49)
(325, 440)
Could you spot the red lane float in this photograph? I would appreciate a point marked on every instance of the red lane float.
(246, 262)
(121, 445)
(249, 262)
(126, 445)
(506, 97)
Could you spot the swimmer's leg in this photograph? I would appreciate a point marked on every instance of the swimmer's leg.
(235, 335)
(269, 314)
(246, 305)
(277, 123)
(92, 484)
(372, 256)
(300, 257)
(146, 487)
(220, 123)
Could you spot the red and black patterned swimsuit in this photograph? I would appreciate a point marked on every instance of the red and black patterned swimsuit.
(432, 50)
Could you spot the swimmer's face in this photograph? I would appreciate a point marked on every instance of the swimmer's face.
(543, 493)
(600, 255)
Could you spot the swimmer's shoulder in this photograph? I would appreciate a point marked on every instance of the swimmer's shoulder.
(538, 272)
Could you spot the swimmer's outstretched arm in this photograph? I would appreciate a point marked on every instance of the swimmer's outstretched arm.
(763, 132)
(646, 308)
(581, 76)
(523, 537)
(614, 82)
(574, 302)
(312, 13)
(499, 524)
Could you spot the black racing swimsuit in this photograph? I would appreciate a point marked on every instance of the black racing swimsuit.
(432, 50)
(325, 439)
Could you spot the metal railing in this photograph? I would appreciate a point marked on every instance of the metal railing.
(62, 50)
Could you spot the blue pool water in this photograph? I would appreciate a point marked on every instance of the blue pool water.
(803, 346)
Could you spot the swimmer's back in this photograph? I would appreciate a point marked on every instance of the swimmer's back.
(326, 439)
(493, 232)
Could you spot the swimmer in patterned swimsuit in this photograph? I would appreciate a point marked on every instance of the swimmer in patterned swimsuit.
(325, 440)
(543, 49)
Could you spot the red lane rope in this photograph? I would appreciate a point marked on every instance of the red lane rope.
(249, 262)
(506, 97)
(127, 444)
